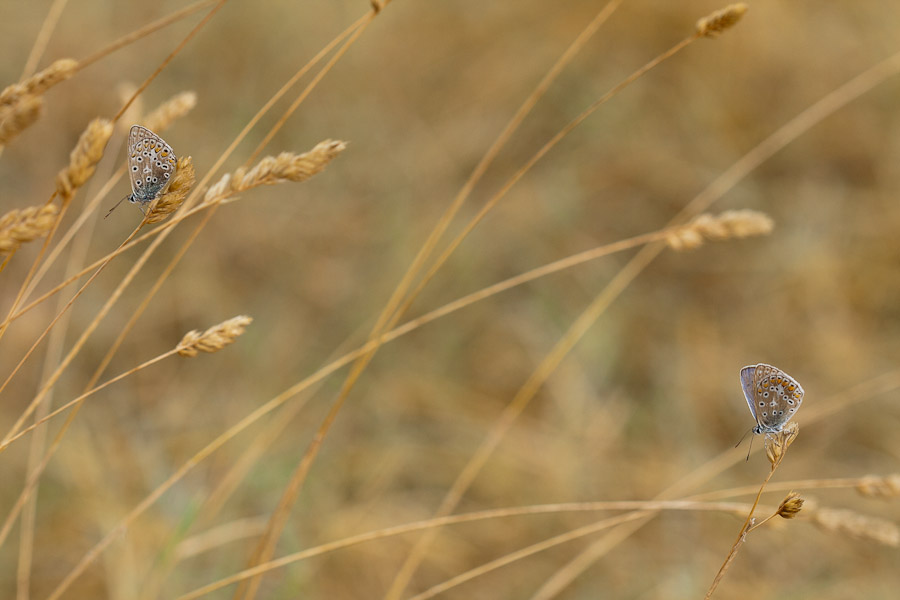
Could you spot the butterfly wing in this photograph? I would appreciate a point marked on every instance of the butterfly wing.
(135, 137)
(780, 394)
(747, 378)
(151, 164)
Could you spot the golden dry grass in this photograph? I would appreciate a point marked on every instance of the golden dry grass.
(569, 434)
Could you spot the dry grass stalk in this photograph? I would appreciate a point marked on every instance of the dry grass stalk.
(213, 339)
(174, 108)
(40, 82)
(84, 158)
(287, 166)
(880, 487)
(124, 92)
(16, 118)
(857, 525)
(790, 506)
(776, 446)
(757, 156)
(714, 24)
(178, 190)
(727, 225)
(18, 227)
(742, 537)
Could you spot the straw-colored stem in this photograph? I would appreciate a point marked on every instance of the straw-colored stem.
(207, 451)
(122, 248)
(51, 381)
(409, 326)
(187, 212)
(184, 211)
(807, 484)
(144, 31)
(487, 160)
(674, 505)
(148, 297)
(384, 320)
(266, 545)
(136, 314)
(888, 382)
(164, 115)
(492, 202)
(43, 37)
(84, 157)
(34, 266)
(211, 448)
(193, 198)
(38, 441)
(75, 404)
(814, 114)
(357, 30)
(538, 377)
(775, 452)
(448, 308)
(169, 58)
(445, 220)
(67, 238)
(742, 536)
(176, 220)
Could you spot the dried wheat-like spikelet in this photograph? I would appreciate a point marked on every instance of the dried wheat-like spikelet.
(790, 506)
(880, 487)
(213, 339)
(20, 103)
(18, 227)
(174, 108)
(39, 82)
(714, 24)
(778, 443)
(861, 526)
(177, 191)
(84, 158)
(19, 116)
(287, 166)
(729, 224)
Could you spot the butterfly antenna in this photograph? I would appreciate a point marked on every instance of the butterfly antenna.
(741, 441)
(116, 205)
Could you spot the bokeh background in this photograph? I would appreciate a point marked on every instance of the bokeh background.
(648, 396)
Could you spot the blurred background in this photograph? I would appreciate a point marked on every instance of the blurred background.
(648, 396)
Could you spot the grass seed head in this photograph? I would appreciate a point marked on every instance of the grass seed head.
(40, 82)
(169, 111)
(213, 339)
(287, 166)
(727, 225)
(176, 193)
(18, 227)
(17, 117)
(790, 506)
(84, 158)
(714, 24)
(858, 525)
(778, 443)
(880, 487)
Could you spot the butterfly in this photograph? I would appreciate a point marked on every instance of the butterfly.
(151, 166)
(773, 396)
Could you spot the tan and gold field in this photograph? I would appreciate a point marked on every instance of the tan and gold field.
(449, 299)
